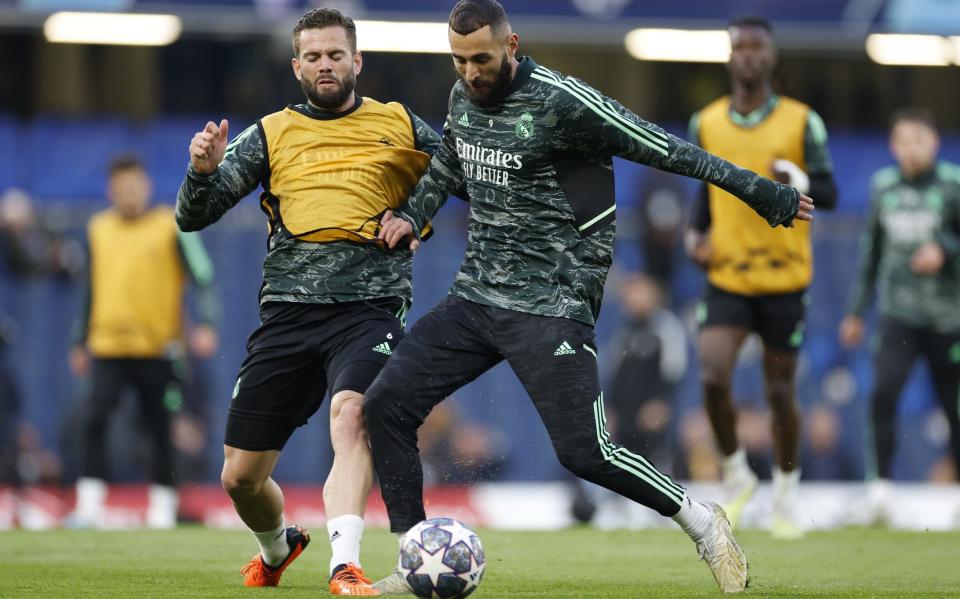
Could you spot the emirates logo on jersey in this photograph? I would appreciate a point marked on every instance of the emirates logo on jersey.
(486, 164)
(476, 153)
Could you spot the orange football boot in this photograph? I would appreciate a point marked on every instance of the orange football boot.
(348, 579)
(258, 574)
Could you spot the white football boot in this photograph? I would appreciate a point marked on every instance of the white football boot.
(392, 584)
(723, 555)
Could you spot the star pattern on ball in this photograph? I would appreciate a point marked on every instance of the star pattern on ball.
(457, 534)
(433, 565)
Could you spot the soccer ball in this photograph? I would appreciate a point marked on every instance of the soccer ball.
(441, 558)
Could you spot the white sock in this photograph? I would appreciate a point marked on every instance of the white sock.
(161, 507)
(273, 544)
(785, 485)
(345, 532)
(693, 517)
(91, 498)
(735, 467)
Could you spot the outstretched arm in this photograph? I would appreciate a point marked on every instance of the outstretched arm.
(220, 174)
(599, 125)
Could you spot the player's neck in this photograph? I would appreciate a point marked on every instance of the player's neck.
(919, 175)
(347, 105)
(747, 98)
(514, 65)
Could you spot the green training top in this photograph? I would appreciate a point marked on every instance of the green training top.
(295, 270)
(539, 173)
(903, 216)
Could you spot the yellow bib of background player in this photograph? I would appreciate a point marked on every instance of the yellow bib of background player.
(749, 257)
(136, 285)
(331, 178)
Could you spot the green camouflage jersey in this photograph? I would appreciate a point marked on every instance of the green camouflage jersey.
(295, 270)
(903, 216)
(539, 173)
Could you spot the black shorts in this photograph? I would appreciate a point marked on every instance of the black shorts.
(778, 318)
(301, 352)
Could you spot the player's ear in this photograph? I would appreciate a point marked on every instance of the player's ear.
(513, 44)
(357, 62)
(295, 63)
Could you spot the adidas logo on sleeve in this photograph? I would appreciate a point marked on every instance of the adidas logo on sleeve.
(383, 348)
(564, 350)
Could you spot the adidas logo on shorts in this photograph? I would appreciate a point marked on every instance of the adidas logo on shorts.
(564, 350)
(383, 348)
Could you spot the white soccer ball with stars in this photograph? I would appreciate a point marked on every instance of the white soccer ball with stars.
(441, 558)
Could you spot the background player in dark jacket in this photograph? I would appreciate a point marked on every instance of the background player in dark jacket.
(757, 277)
(910, 254)
(333, 298)
(534, 149)
(132, 325)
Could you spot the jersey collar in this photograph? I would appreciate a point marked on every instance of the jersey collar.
(921, 178)
(524, 69)
(755, 117)
(313, 112)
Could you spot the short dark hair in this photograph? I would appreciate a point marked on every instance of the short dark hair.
(914, 114)
(321, 18)
(470, 15)
(125, 162)
(751, 21)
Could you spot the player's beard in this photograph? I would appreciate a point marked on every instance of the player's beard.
(330, 100)
(490, 94)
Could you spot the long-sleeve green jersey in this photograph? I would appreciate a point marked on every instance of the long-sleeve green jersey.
(296, 270)
(905, 214)
(539, 174)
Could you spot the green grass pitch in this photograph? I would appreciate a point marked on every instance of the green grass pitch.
(581, 562)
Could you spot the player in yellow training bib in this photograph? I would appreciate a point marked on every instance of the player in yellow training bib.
(333, 297)
(757, 276)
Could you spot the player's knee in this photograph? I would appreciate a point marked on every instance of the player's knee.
(780, 393)
(372, 408)
(580, 461)
(715, 378)
(240, 484)
(348, 426)
(379, 408)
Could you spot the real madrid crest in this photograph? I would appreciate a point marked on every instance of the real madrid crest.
(524, 126)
